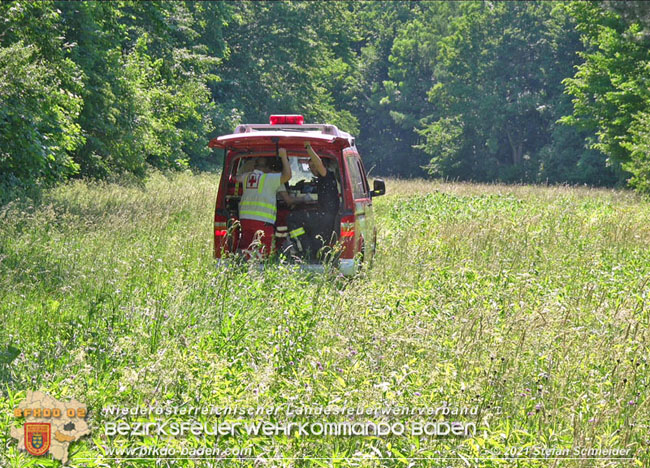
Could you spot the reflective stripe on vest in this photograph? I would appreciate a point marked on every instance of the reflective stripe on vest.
(297, 232)
(267, 217)
(251, 204)
(260, 186)
(258, 209)
(295, 235)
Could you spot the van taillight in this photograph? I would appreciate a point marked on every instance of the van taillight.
(224, 240)
(347, 226)
(220, 228)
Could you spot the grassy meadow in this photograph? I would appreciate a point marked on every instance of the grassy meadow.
(530, 304)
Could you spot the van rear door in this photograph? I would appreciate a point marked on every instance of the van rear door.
(254, 140)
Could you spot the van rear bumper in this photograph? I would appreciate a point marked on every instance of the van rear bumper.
(347, 266)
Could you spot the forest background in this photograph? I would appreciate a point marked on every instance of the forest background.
(533, 92)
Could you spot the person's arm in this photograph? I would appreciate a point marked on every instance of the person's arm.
(286, 168)
(288, 199)
(316, 160)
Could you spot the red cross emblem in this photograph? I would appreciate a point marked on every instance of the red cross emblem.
(252, 181)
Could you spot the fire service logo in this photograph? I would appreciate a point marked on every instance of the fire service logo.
(50, 425)
(37, 438)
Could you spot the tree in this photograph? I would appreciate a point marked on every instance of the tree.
(610, 88)
(492, 84)
(386, 135)
(146, 100)
(39, 100)
(286, 57)
(497, 95)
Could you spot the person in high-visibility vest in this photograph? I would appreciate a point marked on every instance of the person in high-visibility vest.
(258, 205)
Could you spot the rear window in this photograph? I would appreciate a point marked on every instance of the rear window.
(302, 182)
(299, 170)
(299, 166)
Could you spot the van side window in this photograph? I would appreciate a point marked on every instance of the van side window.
(364, 179)
(358, 188)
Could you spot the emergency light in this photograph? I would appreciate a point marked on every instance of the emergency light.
(292, 119)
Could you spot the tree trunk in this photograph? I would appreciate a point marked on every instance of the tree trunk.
(517, 149)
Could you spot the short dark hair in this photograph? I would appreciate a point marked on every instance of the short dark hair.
(260, 163)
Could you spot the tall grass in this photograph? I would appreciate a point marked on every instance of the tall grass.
(529, 303)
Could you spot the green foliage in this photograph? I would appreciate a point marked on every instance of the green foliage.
(146, 97)
(610, 88)
(288, 57)
(443, 139)
(512, 91)
(386, 145)
(639, 148)
(39, 101)
(498, 76)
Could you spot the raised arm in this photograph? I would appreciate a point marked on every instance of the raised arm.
(286, 168)
(316, 160)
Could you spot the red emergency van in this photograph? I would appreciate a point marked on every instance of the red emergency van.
(354, 222)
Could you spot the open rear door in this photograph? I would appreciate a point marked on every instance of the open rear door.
(257, 140)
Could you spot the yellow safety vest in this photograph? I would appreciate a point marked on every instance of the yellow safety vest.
(257, 203)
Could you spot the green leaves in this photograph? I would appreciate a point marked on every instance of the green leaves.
(442, 139)
(96, 88)
(482, 91)
(289, 57)
(639, 148)
(38, 114)
(610, 88)
(8, 355)
(496, 65)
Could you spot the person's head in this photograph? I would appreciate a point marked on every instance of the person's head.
(261, 164)
(312, 168)
(247, 165)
